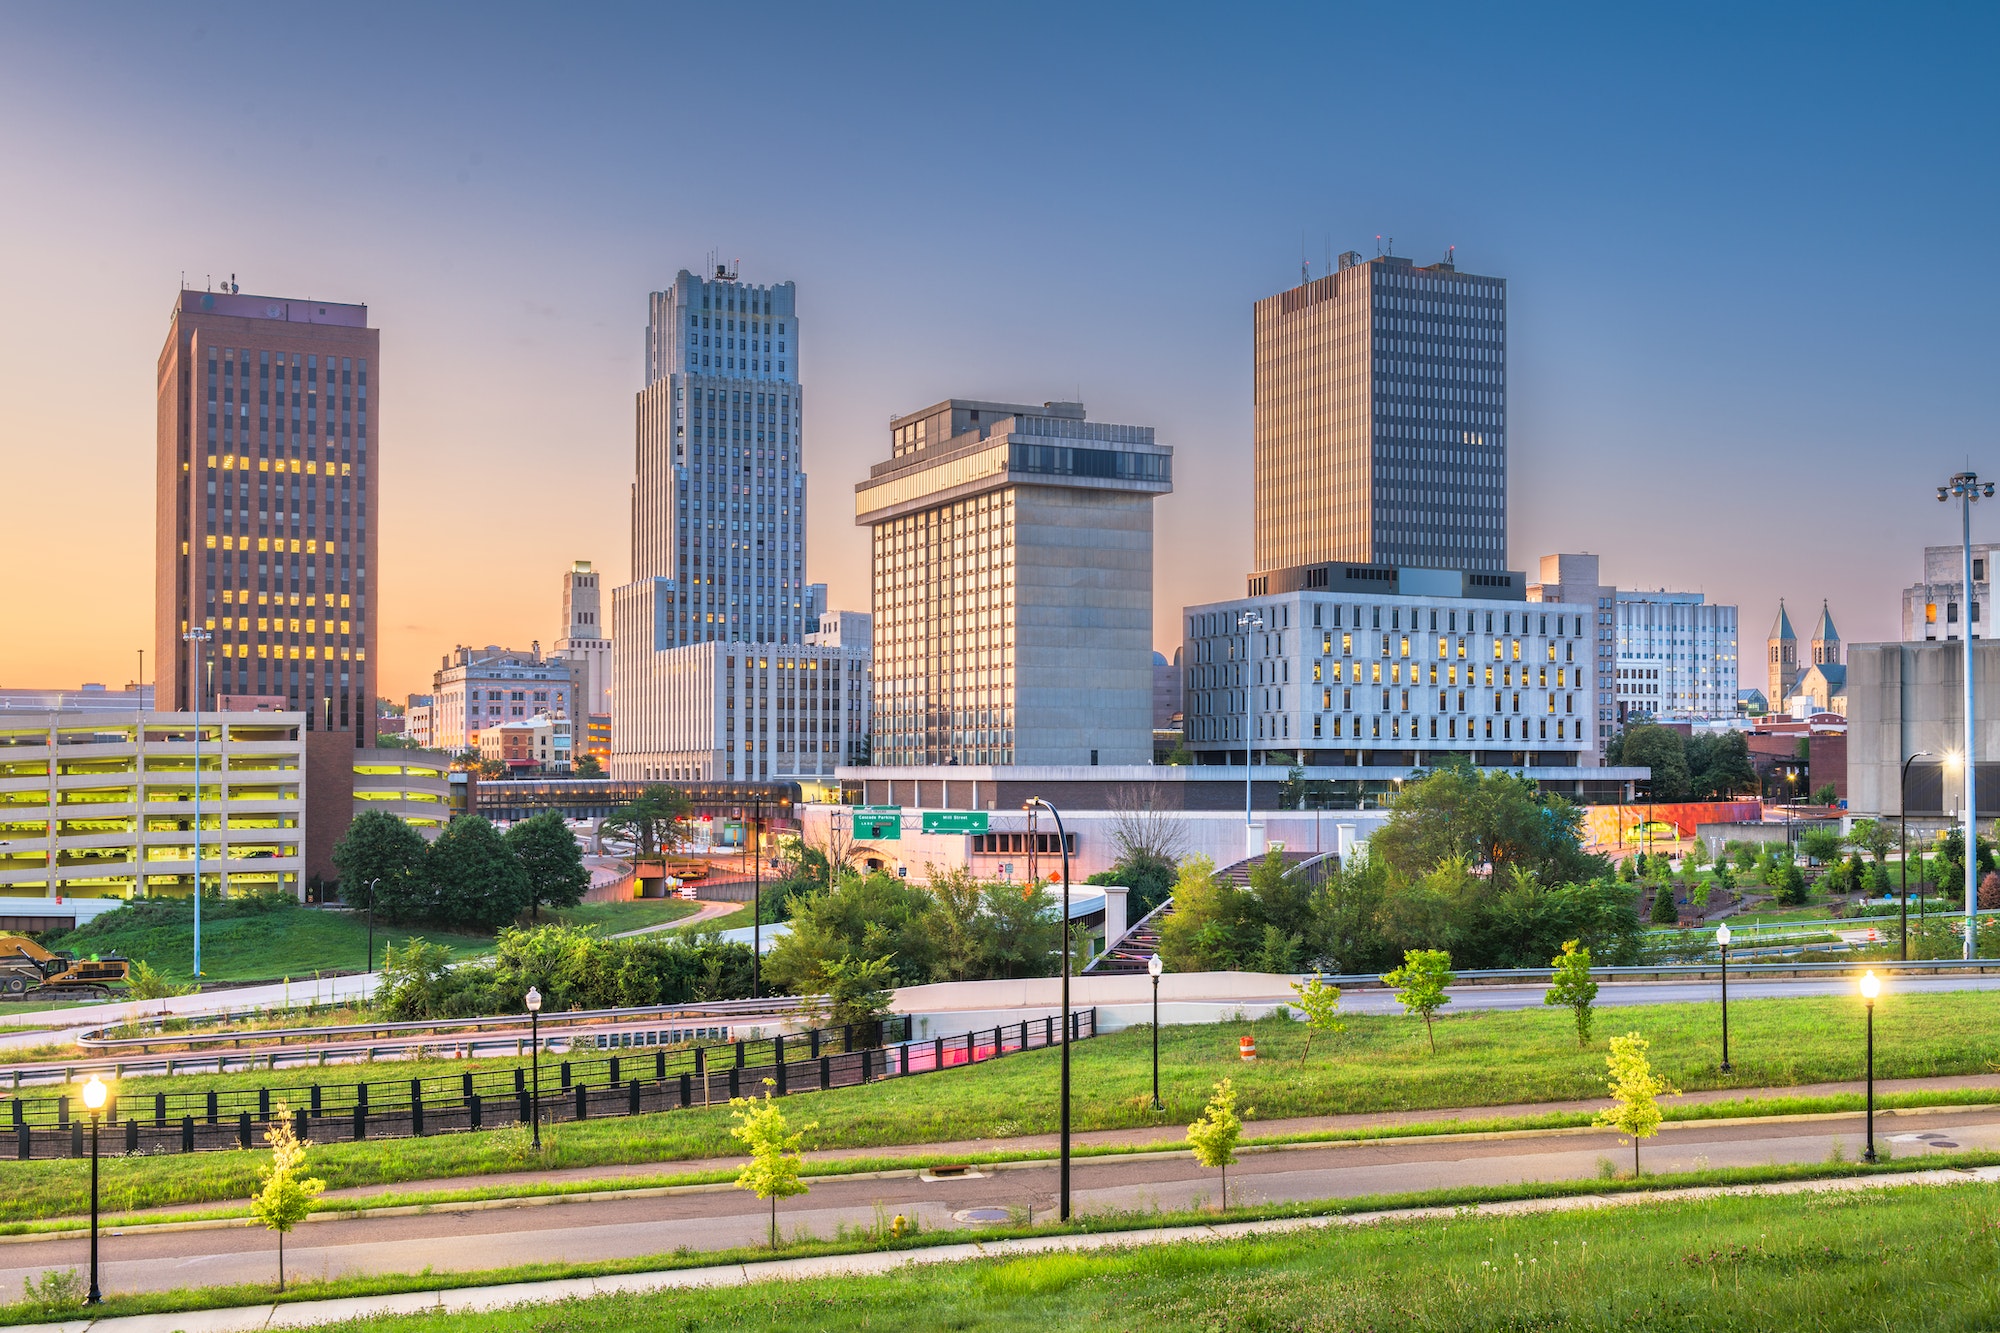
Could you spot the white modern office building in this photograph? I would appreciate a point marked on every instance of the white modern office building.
(712, 675)
(1423, 663)
(1676, 657)
(1013, 585)
(104, 805)
(1574, 578)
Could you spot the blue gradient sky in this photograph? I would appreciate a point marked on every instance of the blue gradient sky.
(1754, 319)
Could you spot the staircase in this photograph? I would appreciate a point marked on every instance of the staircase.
(1131, 951)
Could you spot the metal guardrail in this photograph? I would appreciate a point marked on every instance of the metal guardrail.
(1696, 971)
(97, 1038)
(622, 1085)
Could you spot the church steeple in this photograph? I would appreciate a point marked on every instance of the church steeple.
(1825, 639)
(1782, 660)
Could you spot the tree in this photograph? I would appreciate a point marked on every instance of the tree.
(1320, 1003)
(1790, 885)
(649, 826)
(1664, 751)
(1877, 837)
(1420, 985)
(1215, 1135)
(1703, 893)
(551, 861)
(1665, 913)
(1820, 845)
(381, 849)
(1490, 819)
(1572, 985)
(857, 992)
(773, 1169)
(1826, 794)
(1633, 1086)
(285, 1199)
(473, 878)
(586, 766)
(1719, 765)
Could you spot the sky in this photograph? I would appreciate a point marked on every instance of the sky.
(1752, 321)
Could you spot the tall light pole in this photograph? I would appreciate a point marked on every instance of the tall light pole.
(1967, 489)
(1153, 969)
(1062, 841)
(95, 1094)
(533, 1000)
(1903, 808)
(371, 923)
(199, 638)
(1247, 621)
(756, 895)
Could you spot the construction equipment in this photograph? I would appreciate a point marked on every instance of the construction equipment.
(27, 969)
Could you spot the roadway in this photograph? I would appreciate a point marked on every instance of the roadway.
(707, 1218)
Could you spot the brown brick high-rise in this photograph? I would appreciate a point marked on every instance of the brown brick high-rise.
(268, 482)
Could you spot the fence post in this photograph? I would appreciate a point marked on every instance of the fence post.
(903, 1060)
(21, 1116)
(300, 1128)
(735, 1081)
(521, 1081)
(26, 1146)
(526, 1112)
(317, 1108)
(76, 1138)
(687, 1090)
(187, 1133)
(825, 1072)
(243, 1129)
(131, 1137)
(264, 1104)
(937, 1054)
(159, 1110)
(416, 1107)
(1049, 1030)
(632, 1097)
(211, 1108)
(846, 1037)
(62, 1109)
(812, 1041)
(466, 1082)
(472, 1111)
(739, 1053)
(778, 1051)
(660, 1066)
(613, 1080)
(864, 1064)
(1024, 1034)
(701, 1071)
(582, 1102)
(361, 1120)
(565, 1073)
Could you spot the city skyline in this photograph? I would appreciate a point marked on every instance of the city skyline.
(1687, 326)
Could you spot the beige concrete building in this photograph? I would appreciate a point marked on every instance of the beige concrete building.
(586, 639)
(1905, 699)
(413, 785)
(103, 805)
(1013, 586)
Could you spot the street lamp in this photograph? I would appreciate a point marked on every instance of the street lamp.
(1870, 988)
(199, 638)
(1153, 969)
(1722, 943)
(1062, 841)
(534, 1003)
(1903, 871)
(1248, 620)
(95, 1094)
(1967, 489)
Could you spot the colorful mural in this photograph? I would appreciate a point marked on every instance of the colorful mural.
(1609, 827)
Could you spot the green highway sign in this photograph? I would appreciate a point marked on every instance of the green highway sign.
(878, 823)
(955, 821)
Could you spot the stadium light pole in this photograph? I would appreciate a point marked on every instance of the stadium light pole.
(1903, 870)
(1967, 489)
(199, 638)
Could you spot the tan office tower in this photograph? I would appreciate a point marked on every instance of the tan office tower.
(1013, 586)
(264, 539)
(1381, 419)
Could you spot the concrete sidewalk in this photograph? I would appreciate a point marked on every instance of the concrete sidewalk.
(469, 1300)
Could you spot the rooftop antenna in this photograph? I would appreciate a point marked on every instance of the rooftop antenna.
(1451, 255)
(1305, 268)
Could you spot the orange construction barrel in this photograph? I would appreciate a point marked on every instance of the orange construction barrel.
(1247, 1046)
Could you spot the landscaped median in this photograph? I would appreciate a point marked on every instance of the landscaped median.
(1380, 1065)
(1832, 1246)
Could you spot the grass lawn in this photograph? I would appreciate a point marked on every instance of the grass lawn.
(1381, 1063)
(1920, 1258)
(244, 943)
(629, 914)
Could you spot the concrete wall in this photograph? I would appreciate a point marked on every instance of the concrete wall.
(1903, 698)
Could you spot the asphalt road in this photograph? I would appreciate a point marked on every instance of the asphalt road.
(720, 1218)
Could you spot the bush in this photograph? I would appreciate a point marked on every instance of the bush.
(1664, 911)
(572, 968)
(1790, 883)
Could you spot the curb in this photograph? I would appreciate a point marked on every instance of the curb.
(470, 1300)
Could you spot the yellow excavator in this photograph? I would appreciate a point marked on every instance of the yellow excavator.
(27, 969)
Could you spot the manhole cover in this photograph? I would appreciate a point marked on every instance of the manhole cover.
(983, 1215)
(1942, 1143)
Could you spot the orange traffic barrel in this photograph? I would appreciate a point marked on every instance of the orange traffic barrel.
(1247, 1046)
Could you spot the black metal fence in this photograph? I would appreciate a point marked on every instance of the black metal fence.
(635, 1084)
